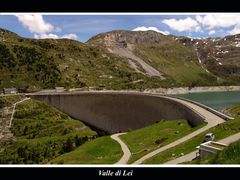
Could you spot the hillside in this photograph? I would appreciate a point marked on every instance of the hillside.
(41, 133)
(219, 56)
(103, 150)
(115, 60)
(184, 60)
(175, 63)
(233, 111)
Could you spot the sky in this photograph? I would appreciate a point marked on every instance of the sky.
(81, 27)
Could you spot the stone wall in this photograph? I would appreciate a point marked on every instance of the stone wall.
(119, 112)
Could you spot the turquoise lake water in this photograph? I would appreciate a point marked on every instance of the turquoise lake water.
(216, 100)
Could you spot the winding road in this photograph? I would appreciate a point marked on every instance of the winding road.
(211, 119)
(126, 151)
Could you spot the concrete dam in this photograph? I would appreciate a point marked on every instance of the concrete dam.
(119, 112)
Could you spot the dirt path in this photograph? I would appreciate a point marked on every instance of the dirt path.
(14, 107)
(6, 119)
(126, 151)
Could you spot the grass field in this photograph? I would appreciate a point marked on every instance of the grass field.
(42, 133)
(233, 111)
(103, 150)
(177, 62)
(147, 139)
(9, 100)
(221, 131)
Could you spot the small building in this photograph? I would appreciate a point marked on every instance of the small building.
(22, 90)
(10, 90)
(59, 89)
(210, 147)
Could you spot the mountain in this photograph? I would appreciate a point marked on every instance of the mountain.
(118, 60)
(175, 58)
(220, 56)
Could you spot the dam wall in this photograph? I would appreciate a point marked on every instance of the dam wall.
(119, 112)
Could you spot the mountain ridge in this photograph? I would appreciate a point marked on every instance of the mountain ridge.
(118, 59)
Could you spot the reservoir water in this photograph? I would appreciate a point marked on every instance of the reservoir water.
(216, 100)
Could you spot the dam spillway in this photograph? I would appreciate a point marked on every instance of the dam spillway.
(119, 112)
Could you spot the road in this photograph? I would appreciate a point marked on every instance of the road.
(192, 155)
(126, 151)
(211, 119)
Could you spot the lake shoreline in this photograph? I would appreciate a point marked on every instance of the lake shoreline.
(164, 91)
(186, 90)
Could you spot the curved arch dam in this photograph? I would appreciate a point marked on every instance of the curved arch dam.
(116, 112)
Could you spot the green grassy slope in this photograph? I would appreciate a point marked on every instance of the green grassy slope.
(103, 150)
(177, 62)
(9, 100)
(45, 63)
(233, 111)
(41, 133)
(56, 62)
(221, 131)
(145, 140)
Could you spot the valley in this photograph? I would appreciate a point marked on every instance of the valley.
(120, 83)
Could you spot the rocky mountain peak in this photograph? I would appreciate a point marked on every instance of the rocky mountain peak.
(122, 38)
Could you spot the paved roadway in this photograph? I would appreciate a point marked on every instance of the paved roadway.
(192, 155)
(126, 151)
(211, 119)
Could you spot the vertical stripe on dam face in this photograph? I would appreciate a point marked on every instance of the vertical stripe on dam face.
(119, 112)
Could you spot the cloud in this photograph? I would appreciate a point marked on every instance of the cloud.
(187, 24)
(220, 21)
(54, 36)
(41, 29)
(212, 21)
(211, 32)
(143, 28)
(235, 30)
(36, 24)
(45, 36)
(70, 36)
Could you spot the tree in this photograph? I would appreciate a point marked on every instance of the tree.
(68, 146)
(25, 130)
(78, 141)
